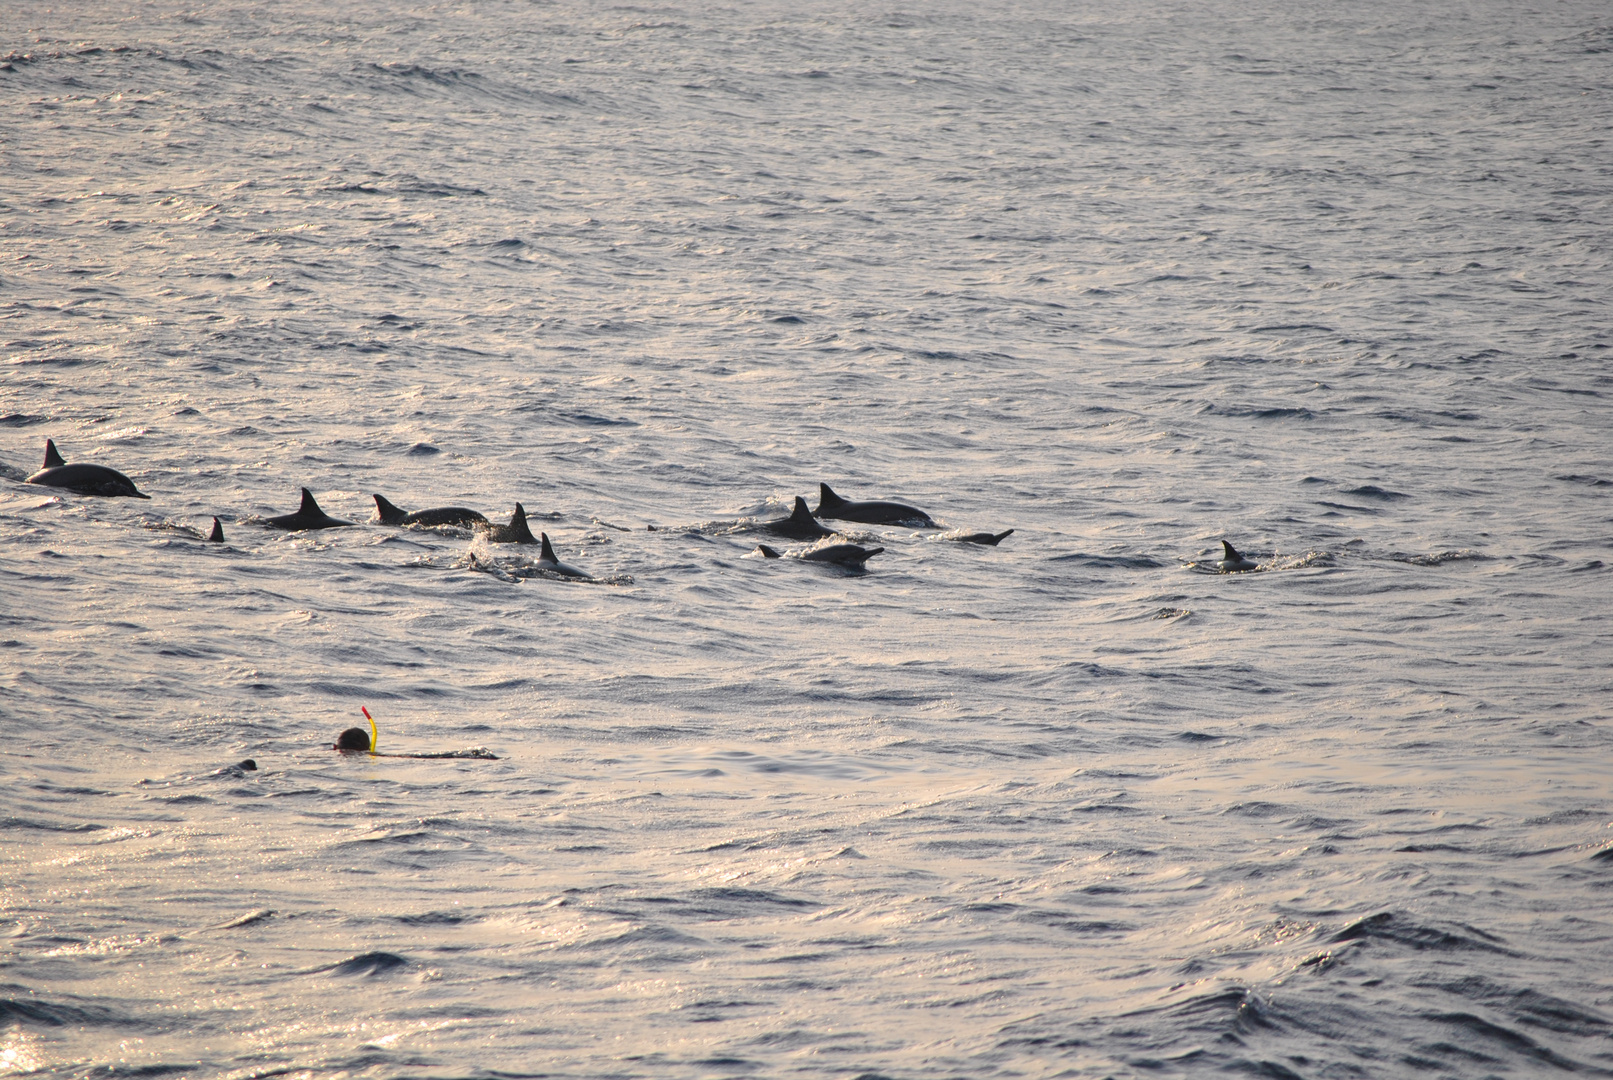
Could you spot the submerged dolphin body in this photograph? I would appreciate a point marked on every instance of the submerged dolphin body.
(84, 479)
(800, 525)
(307, 518)
(547, 561)
(835, 508)
(388, 514)
(516, 532)
(989, 539)
(841, 554)
(1234, 563)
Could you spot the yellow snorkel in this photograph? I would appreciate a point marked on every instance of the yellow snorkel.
(375, 736)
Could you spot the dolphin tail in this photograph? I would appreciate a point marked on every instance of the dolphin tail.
(1231, 552)
(52, 458)
(389, 514)
(217, 535)
(827, 499)
(1000, 537)
(802, 515)
(518, 526)
(309, 508)
(547, 554)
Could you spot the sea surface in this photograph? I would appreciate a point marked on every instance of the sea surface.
(1332, 282)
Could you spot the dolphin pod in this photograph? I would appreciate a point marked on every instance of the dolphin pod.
(801, 524)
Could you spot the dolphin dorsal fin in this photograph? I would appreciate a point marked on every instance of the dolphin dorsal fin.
(518, 525)
(52, 458)
(1231, 552)
(802, 515)
(309, 508)
(547, 554)
(767, 552)
(390, 515)
(217, 535)
(827, 497)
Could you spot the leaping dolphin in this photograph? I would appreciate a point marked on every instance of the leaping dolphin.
(387, 514)
(547, 561)
(989, 539)
(307, 518)
(842, 554)
(835, 508)
(84, 479)
(800, 525)
(516, 532)
(1234, 563)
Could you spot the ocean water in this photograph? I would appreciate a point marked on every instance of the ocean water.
(1331, 282)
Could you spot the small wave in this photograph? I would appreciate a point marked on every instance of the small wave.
(369, 965)
(34, 1012)
(1389, 927)
(1110, 562)
(1372, 491)
(1440, 558)
(249, 919)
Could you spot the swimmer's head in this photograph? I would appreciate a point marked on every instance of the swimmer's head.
(353, 739)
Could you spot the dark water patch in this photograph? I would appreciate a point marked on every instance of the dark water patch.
(1586, 479)
(1526, 1006)
(1477, 1028)
(1347, 507)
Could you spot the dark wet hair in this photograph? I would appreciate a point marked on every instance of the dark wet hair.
(353, 739)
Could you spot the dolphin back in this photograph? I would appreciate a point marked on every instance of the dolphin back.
(389, 514)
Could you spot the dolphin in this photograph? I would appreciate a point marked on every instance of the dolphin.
(547, 561)
(308, 517)
(767, 552)
(217, 535)
(842, 554)
(989, 539)
(516, 532)
(387, 514)
(800, 525)
(84, 479)
(835, 508)
(1234, 563)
